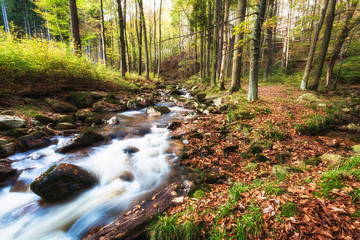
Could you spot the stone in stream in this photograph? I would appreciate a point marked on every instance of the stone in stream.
(33, 141)
(113, 121)
(107, 105)
(59, 106)
(159, 110)
(176, 92)
(6, 172)
(44, 119)
(88, 116)
(85, 139)
(10, 122)
(133, 105)
(7, 149)
(130, 150)
(65, 126)
(62, 181)
(174, 125)
(81, 99)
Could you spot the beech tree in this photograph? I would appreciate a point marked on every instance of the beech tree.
(75, 34)
(122, 40)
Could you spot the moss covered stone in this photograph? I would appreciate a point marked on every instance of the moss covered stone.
(59, 106)
(65, 119)
(88, 116)
(81, 99)
(44, 119)
(289, 209)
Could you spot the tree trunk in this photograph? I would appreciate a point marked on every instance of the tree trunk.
(348, 26)
(325, 44)
(255, 53)
(139, 37)
(305, 78)
(209, 33)
(225, 46)
(142, 22)
(238, 49)
(217, 11)
(159, 61)
(75, 33)
(103, 42)
(122, 40)
(269, 50)
(155, 51)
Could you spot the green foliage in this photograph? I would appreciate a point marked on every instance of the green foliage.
(29, 110)
(251, 167)
(355, 216)
(259, 157)
(255, 149)
(355, 195)
(250, 224)
(199, 194)
(289, 209)
(312, 161)
(272, 189)
(236, 190)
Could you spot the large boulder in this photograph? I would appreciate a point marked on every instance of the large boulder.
(88, 116)
(44, 119)
(65, 126)
(200, 97)
(159, 110)
(7, 149)
(107, 105)
(133, 105)
(62, 181)
(6, 172)
(59, 106)
(331, 159)
(33, 141)
(81, 99)
(309, 97)
(9, 122)
(85, 139)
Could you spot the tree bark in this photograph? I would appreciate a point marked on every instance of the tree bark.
(269, 50)
(142, 22)
(255, 53)
(122, 40)
(238, 49)
(209, 33)
(305, 78)
(225, 45)
(139, 37)
(159, 61)
(217, 11)
(348, 26)
(75, 33)
(103, 42)
(325, 44)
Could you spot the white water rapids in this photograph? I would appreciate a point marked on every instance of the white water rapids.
(22, 214)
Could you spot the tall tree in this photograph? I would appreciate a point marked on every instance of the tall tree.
(103, 41)
(225, 45)
(122, 39)
(160, 50)
(217, 11)
(305, 78)
(209, 37)
(348, 26)
(142, 22)
(238, 49)
(325, 44)
(255, 52)
(75, 33)
(269, 41)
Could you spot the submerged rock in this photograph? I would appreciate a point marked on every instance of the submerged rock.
(83, 140)
(59, 106)
(61, 181)
(109, 105)
(10, 122)
(81, 99)
(113, 121)
(6, 172)
(7, 149)
(131, 149)
(34, 141)
(174, 125)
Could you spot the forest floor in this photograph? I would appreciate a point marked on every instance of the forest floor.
(260, 171)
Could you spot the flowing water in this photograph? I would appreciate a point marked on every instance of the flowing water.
(23, 215)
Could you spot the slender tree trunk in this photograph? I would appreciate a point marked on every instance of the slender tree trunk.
(238, 50)
(128, 57)
(155, 50)
(305, 78)
(160, 50)
(225, 46)
(142, 22)
(255, 53)
(103, 42)
(209, 33)
(342, 54)
(216, 41)
(75, 33)
(325, 44)
(139, 36)
(348, 26)
(122, 40)
(230, 54)
(269, 36)
(202, 55)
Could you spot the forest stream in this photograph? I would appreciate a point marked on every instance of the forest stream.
(124, 179)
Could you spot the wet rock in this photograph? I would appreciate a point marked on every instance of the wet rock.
(88, 116)
(10, 122)
(159, 110)
(200, 97)
(98, 95)
(44, 119)
(8, 112)
(356, 149)
(80, 99)
(133, 105)
(34, 141)
(62, 181)
(65, 126)
(7, 149)
(113, 121)
(59, 106)
(85, 139)
(131, 149)
(174, 125)
(109, 105)
(145, 102)
(127, 177)
(66, 119)
(17, 132)
(331, 159)
(176, 92)
(6, 172)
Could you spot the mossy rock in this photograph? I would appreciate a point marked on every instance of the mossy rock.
(261, 158)
(314, 161)
(331, 159)
(200, 97)
(176, 92)
(65, 126)
(289, 209)
(356, 149)
(281, 170)
(85, 115)
(251, 167)
(255, 149)
(282, 157)
(308, 97)
(44, 119)
(10, 122)
(80, 99)
(92, 120)
(17, 132)
(33, 141)
(65, 119)
(159, 110)
(108, 105)
(59, 106)
(199, 194)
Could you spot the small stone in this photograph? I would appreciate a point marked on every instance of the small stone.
(331, 159)
(131, 149)
(65, 126)
(332, 143)
(113, 121)
(356, 149)
(174, 125)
